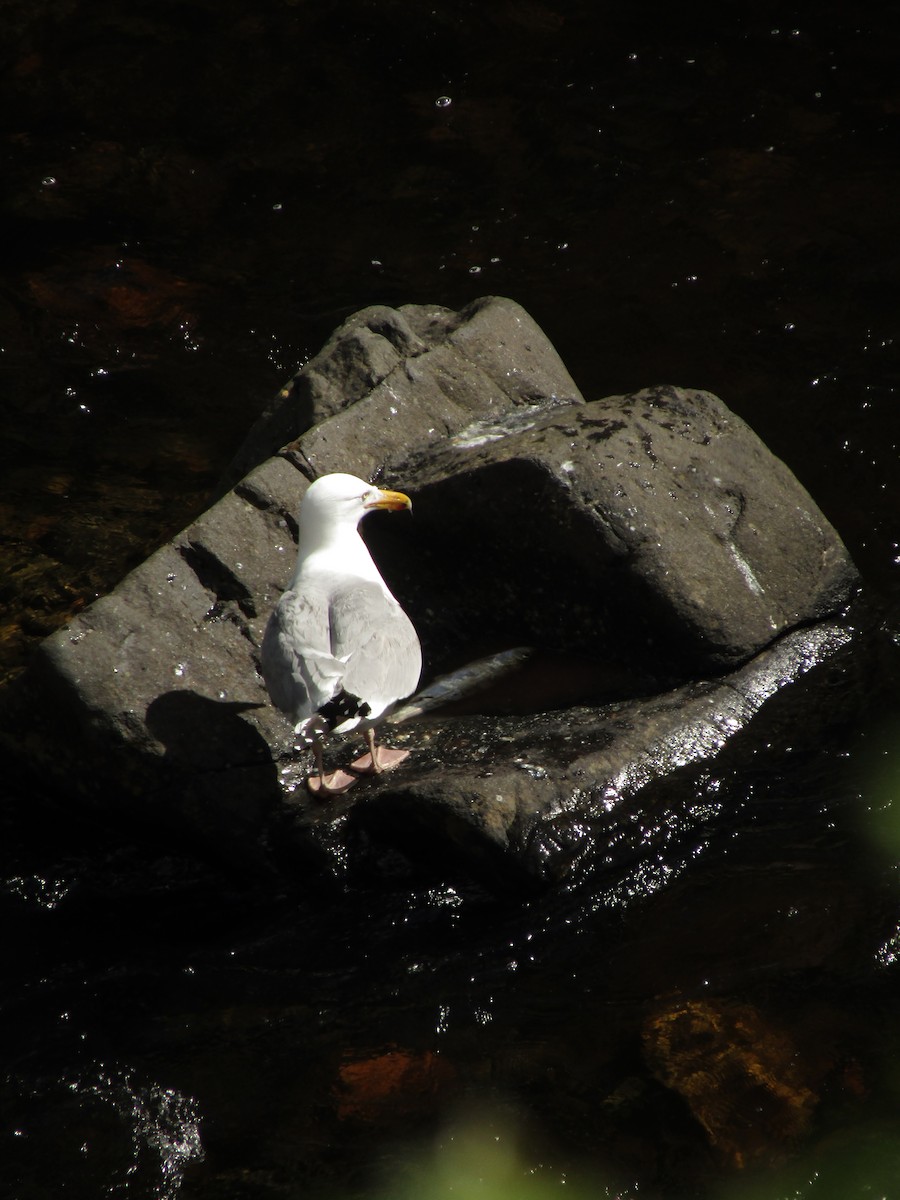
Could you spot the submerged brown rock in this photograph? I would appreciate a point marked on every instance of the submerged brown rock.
(739, 1072)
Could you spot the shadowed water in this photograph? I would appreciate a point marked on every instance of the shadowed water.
(194, 196)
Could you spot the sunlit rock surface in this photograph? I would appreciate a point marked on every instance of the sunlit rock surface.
(392, 380)
(655, 528)
(671, 575)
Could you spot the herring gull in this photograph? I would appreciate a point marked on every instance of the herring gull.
(339, 651)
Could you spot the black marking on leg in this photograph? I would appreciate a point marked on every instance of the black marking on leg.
(343, 707)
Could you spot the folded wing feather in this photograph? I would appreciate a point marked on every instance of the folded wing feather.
(339, 635)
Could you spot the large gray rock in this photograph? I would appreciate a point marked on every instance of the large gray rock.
(394, 380)
(149, 703)
(651, 538)
(654, 528)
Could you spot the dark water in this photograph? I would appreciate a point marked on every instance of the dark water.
(194, 196)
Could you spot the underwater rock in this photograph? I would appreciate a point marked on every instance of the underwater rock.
(378, 1086)
(650, 538)
(740, 1074)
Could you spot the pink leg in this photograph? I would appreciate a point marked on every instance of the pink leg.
(334, 784)
(379, 758)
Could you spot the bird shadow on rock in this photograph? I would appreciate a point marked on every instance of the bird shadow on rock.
(206, 734)
(219, 775)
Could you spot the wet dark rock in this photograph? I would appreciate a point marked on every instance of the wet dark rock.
(526, 801)
(650, 539)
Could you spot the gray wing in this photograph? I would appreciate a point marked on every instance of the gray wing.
(372, 632)
(300, 670)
